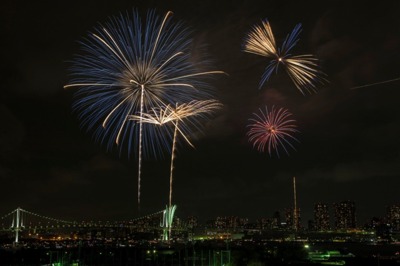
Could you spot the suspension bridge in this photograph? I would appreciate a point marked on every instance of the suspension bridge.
(33, 225)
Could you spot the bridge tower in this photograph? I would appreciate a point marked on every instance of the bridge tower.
(17, 223)
(168, 218)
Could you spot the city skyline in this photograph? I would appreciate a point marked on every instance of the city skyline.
(336, 217)
(348, 146)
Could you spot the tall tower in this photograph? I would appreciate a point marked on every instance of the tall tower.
(296, 212)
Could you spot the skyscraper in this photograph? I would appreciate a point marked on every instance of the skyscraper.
(345, 215)
(393, 216)
(321, 217)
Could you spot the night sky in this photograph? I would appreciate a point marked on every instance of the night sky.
(349, 138)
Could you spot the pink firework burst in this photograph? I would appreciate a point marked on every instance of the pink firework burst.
(272, 130)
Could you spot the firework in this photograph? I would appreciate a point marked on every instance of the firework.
(272, 130)
(184, 118)
(192, 112)
(374, 84)
(303, 70)
(129, 66)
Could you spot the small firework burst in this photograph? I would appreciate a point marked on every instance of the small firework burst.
(272, 130)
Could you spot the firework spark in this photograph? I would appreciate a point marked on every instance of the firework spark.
(128, 67)
(272, 130)
(303, 70)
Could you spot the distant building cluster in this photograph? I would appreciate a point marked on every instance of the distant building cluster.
(344, 216)
(339, 216)
(229, 222)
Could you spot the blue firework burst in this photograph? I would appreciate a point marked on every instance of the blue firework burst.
(128, 66)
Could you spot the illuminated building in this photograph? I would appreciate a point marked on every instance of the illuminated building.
(393, 216)
(321, 217)
(264, 223)
(345, 215)
(230, 222)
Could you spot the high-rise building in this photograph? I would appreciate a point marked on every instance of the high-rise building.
(321, 217)
(345, 215)
(393, 216)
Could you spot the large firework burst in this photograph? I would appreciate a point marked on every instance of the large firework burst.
(272, 130)
(129, 66)
(302, 69)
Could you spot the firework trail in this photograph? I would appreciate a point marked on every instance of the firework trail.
(192, 112)
(272, 130)
(303, 70)
(129, 66)
(373, 84)
(185, 118)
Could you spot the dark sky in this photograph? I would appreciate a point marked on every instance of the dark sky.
(349, 140)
